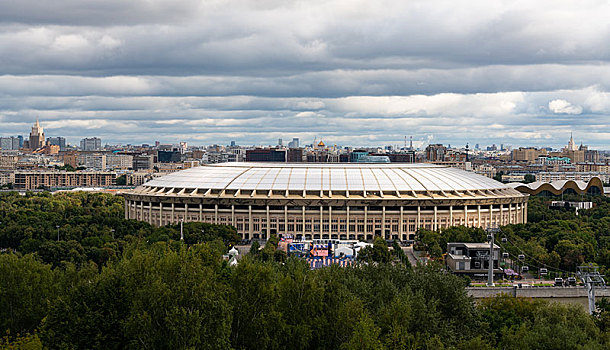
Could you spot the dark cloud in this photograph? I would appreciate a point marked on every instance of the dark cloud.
(352, 72)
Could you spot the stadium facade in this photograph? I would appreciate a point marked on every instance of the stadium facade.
(326, 200)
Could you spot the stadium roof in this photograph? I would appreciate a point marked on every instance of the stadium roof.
(559, 186)
(336, 178)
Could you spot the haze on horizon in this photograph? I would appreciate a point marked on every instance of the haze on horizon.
(355, 73)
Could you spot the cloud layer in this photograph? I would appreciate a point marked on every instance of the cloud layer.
(350, 72)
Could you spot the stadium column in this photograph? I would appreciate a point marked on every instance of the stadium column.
(330, 220)
(142, 210)
(321, 224)
(501, 215)
(150, 219)
(285, 219)
(418, 216)
(127, 209)
(401, 225)
(451, 215)
(173, 212)
(347, 220)
(366, 223)
(524, 206)
(303, 223)
(466, 215)
(216, 214)
(479, 215)
(491, 215)
(383, 222)
(160, 214)
(510, 213)
(435, 224)
(233, 215)
(521, 205)
(268, 223)
(201, 212)
(250, 221)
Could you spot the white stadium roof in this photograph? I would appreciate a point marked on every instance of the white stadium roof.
(339, 177)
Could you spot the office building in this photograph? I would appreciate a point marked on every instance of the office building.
(57, 141)
(294, 143)
(265, 155)
(91, 144)
(30, 180)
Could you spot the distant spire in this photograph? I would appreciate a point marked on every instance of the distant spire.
(572, 144)
(37, 123)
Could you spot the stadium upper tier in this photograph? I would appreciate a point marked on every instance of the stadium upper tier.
(327, 180)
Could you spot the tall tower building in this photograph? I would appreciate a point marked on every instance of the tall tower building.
(37, 139)
(572, 145)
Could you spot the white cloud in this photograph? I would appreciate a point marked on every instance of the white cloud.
(560, 106)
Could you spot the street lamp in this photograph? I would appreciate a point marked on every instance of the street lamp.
(57, 227)
(112, 231)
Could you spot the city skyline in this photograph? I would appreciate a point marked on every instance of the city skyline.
(351, 73)
(407, 143)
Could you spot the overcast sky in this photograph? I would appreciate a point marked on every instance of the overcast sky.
(354, 73)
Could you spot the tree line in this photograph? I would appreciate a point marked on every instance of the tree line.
(150, 290)
(559, 238)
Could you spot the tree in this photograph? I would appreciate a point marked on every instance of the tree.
(26, 287)
(529, 178)
(376, 253)
(121, 180)
(254, 248)
(365, 335)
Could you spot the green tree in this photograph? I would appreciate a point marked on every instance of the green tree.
(121, 180)
(365, 336)
(378, 252)
(529, 178)
(26, 287)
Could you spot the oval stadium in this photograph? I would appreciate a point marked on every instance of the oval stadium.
(327, 200)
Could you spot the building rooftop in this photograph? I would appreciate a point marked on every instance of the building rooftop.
(340, 177)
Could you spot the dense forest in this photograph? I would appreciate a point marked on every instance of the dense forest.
(75, 275)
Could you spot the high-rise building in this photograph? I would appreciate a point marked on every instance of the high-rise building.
(119, 161)
(92, 161)
(10, 143)
(90, 144)
(174, 156)
(529, 154)
(280, 142)
(142, 162)
(58, 141)
(294, 143)
(37, 139)
(436, 152)
(294, 155)
(571, 144)
(265, 155)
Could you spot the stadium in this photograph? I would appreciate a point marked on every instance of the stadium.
(345, 201)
